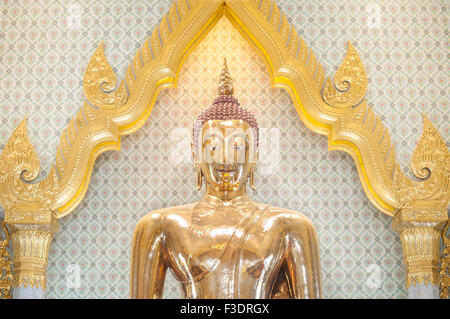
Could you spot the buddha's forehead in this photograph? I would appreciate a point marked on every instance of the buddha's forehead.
(226, 127)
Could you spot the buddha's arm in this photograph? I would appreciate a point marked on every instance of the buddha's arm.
(302, 267)
(148, 266)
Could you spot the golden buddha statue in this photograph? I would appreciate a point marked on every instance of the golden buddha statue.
(226, 245)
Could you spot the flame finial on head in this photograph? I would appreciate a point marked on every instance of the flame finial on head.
(225, 86)
(225, 107)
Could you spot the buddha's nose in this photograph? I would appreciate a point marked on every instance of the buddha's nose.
(221, 158)
(225, 157)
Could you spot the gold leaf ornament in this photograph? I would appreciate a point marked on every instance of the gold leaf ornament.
(350, 82)
(430, 160)
(19, 166)
(100, 83)
(431, 152)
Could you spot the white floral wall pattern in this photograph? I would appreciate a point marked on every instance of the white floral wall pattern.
(45, 47)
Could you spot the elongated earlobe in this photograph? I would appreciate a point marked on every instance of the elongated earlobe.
(199, 179)
(252, 178)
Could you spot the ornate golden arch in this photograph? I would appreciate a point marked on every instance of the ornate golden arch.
(337, 109)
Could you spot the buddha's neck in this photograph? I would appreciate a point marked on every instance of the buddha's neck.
(225, 196)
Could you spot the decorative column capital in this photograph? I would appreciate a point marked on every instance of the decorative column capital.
(422, 213)
(420, 228)
(31, 236)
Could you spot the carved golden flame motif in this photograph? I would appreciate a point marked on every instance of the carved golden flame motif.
(338, 110)
(225, 86)
(431, 160)
(100, 83)
(19, 165)
(350, 82)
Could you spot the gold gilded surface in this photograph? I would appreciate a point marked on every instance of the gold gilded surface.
(420, 233)
(31, 245)
(19, 166)
(350, 82)
(336, 109)
(6, 276)
(421, 254)
(423, 213)
(225, 245)
(225, 83)
(430, 160)
(26, 205)
(225, 249)
(100, 83)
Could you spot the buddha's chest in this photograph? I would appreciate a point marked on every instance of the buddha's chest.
(226, 250)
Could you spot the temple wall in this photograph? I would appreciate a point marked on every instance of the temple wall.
(44, 50)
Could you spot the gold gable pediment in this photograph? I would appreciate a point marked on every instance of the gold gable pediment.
(336, 108)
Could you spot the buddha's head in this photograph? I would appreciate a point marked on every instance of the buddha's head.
(225, 142)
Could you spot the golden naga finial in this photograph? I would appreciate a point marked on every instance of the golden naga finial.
(225, 86)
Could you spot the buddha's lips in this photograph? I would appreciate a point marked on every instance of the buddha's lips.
(226, 171)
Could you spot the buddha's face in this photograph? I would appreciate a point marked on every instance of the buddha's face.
(226, 153)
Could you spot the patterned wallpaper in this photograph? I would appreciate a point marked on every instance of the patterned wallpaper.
(44, 50)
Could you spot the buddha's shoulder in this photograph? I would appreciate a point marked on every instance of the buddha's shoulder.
(163, 213)
(285, 216)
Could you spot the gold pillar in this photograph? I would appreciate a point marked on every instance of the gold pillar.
(420, 230)
(444, 272)
(6, 276)
(31, 245)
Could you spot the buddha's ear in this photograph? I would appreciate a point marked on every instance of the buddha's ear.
(197, 167)
(193, 153)
(252, 176)
(194, 156)
(255, 156)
